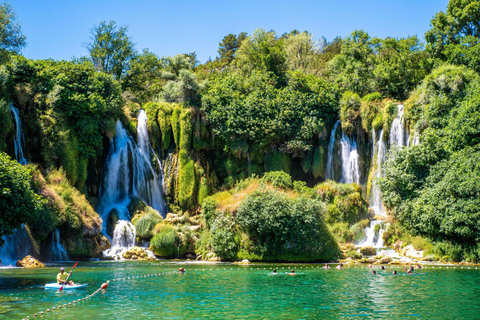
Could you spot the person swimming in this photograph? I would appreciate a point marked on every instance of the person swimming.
(374, 272)
(292, 273)
(412, 269)
(419, 266)
(62, 277)
(275, 271)
(326, 266)
(370, 266)
(383, 268)
(181, 270)
(340, 266)
(394, 272)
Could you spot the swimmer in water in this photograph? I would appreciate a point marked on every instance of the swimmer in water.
(292, 273)
(340, 266)
(370, 266)
(412, 269)
(374, 272)
(419, 266)
(409, 271)
(326, 266)
(394, 272)
(383, 268)
(275, 271)
(181, 270)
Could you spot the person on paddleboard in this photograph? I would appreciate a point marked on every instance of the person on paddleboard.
(62, 277)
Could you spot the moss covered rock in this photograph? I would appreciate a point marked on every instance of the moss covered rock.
(112, 220)
(30, 262)
(368, 251)
(135, 253)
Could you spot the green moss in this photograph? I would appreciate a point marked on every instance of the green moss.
(165, 243)
(307, 161)
(186, 181)
(349, 111)
(277, 161)
(145, 222)
(186, 129)
(318, 167)
(164, 119)
(203, 189)
(176, 112)
(7, 124)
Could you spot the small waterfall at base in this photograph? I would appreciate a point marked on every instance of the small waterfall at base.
(330, 174)
(373, 238)
(57, 250)
(19, 140)
(16, 247)
(350, 167)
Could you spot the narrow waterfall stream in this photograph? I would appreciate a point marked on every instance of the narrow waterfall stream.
(57, 250)
(17, 245)
(350, 167)
(329, 175)
(129, 172)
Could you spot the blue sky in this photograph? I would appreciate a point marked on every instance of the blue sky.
(58, 29)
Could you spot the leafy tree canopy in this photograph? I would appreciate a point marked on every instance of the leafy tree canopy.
(11, 37)
(111, 49)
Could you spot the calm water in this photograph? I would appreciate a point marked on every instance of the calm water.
(225, 291)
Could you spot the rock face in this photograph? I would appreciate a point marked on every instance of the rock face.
(368, 251)
(104, 243)
(30, 263)
(386, 260)
(135, 253)
(409, 251)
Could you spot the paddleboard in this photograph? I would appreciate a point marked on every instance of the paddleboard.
(66, 287)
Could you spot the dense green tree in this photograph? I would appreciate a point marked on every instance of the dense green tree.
(111, 49)
(144, 78)
(11, 37)
(301, 52)
(262, 51)
(18, 202)
(228, 47)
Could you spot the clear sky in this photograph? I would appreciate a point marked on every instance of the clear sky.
(58, 29)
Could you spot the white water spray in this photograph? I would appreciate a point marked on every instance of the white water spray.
(57, 250)
(350, 167)
(330, 174)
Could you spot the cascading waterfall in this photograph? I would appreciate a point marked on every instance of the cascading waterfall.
(331, 144)
(350, 167)
(373, 238)
(18, 141)
(17, 245)
(397, 132)
(381, 152)
(57, 250)
(129, 172)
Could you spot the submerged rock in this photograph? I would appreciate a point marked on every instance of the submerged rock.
(30, 262)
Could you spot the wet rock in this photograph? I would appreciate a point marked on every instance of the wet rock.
(372, 260)
(244, 261)
(106, 258)
(398, 245)
(30, 263)
(104, 243)
(385, 260)
(189, 256)
(199, 257)
(368, 251)
(136, 204)
(112, 220)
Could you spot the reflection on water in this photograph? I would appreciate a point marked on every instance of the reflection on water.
(240, 292)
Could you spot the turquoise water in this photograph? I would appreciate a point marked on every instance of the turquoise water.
(225, 291)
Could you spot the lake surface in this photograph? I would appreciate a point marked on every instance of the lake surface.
(226, 291)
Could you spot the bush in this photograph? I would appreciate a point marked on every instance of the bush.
(354, 255)
(223, 237)
(349, 111)
(165, 243)
(278, 179)
(146, 223)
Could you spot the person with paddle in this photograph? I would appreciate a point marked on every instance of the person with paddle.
(62, 277)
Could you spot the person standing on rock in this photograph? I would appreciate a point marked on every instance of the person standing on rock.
(62, 277)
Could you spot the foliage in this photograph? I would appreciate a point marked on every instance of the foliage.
(186, 181)
(18, 202)
(349, 111)
(283, 228)
(111, 50)
(11, 38)
(223, 237)
(228, 47)
(146, 222)
(278, 179)
(165, 243)
(255, 110)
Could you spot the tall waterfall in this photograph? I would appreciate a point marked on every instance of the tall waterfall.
(128, 172)
(331, 144)
(19, 140)
(381, 151)
(350, 167)
(57, 250)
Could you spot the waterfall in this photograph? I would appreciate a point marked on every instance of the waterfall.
(123, 239)
(373, 238)
(19, 140)
(416, 139)
(57, 250)
(331, 144)
(376, 202)
(397, 132)
(128, 172)
(350, 167)
(16, 247)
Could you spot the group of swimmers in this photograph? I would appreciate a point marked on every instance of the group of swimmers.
(408, 270)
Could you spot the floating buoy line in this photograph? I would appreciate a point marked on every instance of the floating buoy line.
(238, 268)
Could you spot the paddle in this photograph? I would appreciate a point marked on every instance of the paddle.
(61, 288)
